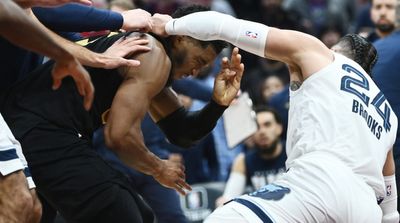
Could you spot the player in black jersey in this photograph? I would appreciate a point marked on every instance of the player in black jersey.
(55, 130)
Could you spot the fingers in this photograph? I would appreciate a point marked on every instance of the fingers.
(89, 95)
(133, 41)
(84, 85)
(181, 186)
(225, 63)
(56, 81)
(58, 75)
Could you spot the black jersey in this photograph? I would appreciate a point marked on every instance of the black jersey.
(33, 101)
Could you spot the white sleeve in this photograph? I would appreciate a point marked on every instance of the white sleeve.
(389, 203)
(235, 185)
(10, 151)
(210, 25)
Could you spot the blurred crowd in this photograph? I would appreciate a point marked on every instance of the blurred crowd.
(261, 158)
(266, 82)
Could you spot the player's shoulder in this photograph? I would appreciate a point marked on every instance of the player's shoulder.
(158, 53)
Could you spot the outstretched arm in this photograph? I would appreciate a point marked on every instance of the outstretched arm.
(185, 128)
(85, 56)
(82, 18)
(15, 24)
(389, 204)
(49, 3)
(292, 47)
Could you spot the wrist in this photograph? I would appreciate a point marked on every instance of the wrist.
(157, 168)
(217, 101)
(218, 105)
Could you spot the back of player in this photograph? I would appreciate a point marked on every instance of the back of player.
(340, 111)
(340, 130)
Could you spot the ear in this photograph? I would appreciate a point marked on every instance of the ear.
(179, 39)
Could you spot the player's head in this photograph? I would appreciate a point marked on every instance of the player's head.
(383, 15)
(358, 49)
(189, 56)
(269, 130)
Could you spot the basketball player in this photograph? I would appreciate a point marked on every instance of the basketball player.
(55, 131)
(341, 128)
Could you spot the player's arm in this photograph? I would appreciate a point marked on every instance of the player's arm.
(236, 183)
(82, 18)
(85, 56)
(389, 204)
(237, 179)
(185, 128)
(48, 3)
(15, 25)
(123, 129)
(288, 46)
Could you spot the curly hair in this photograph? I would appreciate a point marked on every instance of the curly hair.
(360, 50)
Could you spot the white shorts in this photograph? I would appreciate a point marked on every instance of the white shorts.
(315, 189)
(11, 157)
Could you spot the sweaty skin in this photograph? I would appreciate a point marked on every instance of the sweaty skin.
(143, 90)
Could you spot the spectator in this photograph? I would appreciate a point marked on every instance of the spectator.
(386, 75)
(330, 34)
(265, 68)
(262, 164)
(383, 16)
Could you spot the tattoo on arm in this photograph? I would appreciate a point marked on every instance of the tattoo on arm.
(295, 85)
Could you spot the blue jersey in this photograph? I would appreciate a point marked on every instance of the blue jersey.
(260, 172)
(386, 75)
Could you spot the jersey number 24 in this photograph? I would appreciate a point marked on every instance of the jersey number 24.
(347, 85)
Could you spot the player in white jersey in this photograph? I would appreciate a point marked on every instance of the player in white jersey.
(340, 133)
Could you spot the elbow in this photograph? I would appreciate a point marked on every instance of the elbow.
(114, 139)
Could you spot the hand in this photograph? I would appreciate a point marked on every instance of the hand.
(136, 20)
(227, 82)
(113, 57)
(172, 176)
(69, 66)
(176, 158)
(159, 21)
(36, 213)
(15, 200)
(49, 3)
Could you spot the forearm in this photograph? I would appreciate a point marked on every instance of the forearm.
(235, 185)
(15, 24)
(78, 18)
(247, 35)
(389, 203)
(84, 56)
(185, 128)
(134, 153)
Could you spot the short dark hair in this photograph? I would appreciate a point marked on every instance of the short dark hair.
(360, 50)
(263, 108)
(217, 45)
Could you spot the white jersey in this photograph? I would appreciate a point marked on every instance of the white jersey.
(340, 111)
